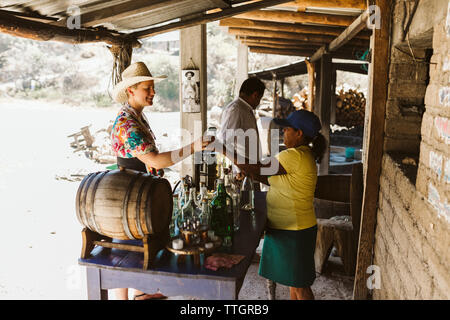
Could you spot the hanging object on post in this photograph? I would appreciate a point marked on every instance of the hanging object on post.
(190, 80)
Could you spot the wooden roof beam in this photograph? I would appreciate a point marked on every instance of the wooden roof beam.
(359, 24)
(298, 17)
(302, 53)
(341, 4)
(288, 52)
(34, 30)
(313, 38)
(287, 27)
(277, 41)
(286, 41)
(281, 46)
(205, 18)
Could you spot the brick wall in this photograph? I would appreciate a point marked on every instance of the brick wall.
(412, 237)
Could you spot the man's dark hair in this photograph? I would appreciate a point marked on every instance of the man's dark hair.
(252, 84)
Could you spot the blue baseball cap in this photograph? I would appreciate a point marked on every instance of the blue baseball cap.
(303, 120)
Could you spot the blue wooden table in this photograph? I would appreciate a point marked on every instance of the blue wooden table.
(114, 268)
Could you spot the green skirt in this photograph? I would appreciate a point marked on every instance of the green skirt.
(288, 257)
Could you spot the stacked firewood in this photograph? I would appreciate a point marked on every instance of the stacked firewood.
(350, 108)
(300, 99)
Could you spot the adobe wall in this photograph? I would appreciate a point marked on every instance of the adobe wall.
(412, 237)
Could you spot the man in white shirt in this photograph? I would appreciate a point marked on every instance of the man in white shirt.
(238, 129)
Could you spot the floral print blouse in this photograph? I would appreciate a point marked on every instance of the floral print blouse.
(130, 135)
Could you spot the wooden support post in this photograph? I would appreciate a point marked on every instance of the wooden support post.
(242, 67)
(193, 51)
(317, 80)
(333, 95)
(324, 108)
(274, 95)
(310, 66)
(379, 73)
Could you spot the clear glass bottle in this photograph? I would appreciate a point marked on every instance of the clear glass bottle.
(186, 212)
(205, 220)
(173, 227)
(221, 217)
(247, 195)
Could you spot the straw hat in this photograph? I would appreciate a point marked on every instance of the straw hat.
(134, 73)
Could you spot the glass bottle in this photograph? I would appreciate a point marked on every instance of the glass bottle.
(247, 194)
(186, 212)
(236, 212)
(173, 227)
(221, 217)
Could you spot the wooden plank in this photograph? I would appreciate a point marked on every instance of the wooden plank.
(94, 289)
(241, 67)
(311, 38)
(288, 52)
(357, 26)
(205, 18)
(287, 42)
(345, 37)
(287, 27)
(323, 109)
(333, 94)
(119, 246)
(355, 4)
(297, 68)
(221, 3)
(274, 95)
(310, 66)
(281, 46)
(301, 53)
(203, 288)
(379, 73)
(193, 51)
(35, 30)
(351, 67)
(298, 17)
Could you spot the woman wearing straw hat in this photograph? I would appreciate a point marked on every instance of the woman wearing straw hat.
(132, 138)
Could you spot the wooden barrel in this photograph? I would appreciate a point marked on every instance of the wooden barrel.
(124, 204)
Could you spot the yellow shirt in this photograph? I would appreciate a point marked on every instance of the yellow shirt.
(290, 199)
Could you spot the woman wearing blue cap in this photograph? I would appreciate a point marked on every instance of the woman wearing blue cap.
(290, 239)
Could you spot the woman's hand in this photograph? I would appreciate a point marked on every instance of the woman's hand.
(201, 143)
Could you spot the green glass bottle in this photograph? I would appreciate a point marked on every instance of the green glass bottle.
(222, 218)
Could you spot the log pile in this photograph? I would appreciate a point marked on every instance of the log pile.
(300, 99)
(350, 108)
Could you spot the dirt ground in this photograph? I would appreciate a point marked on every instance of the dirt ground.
(40, 237)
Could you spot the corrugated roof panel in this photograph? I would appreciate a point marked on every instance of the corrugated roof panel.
(167, 13)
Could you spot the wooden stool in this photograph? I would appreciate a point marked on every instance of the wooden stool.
(339, 233)
(151, 245)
